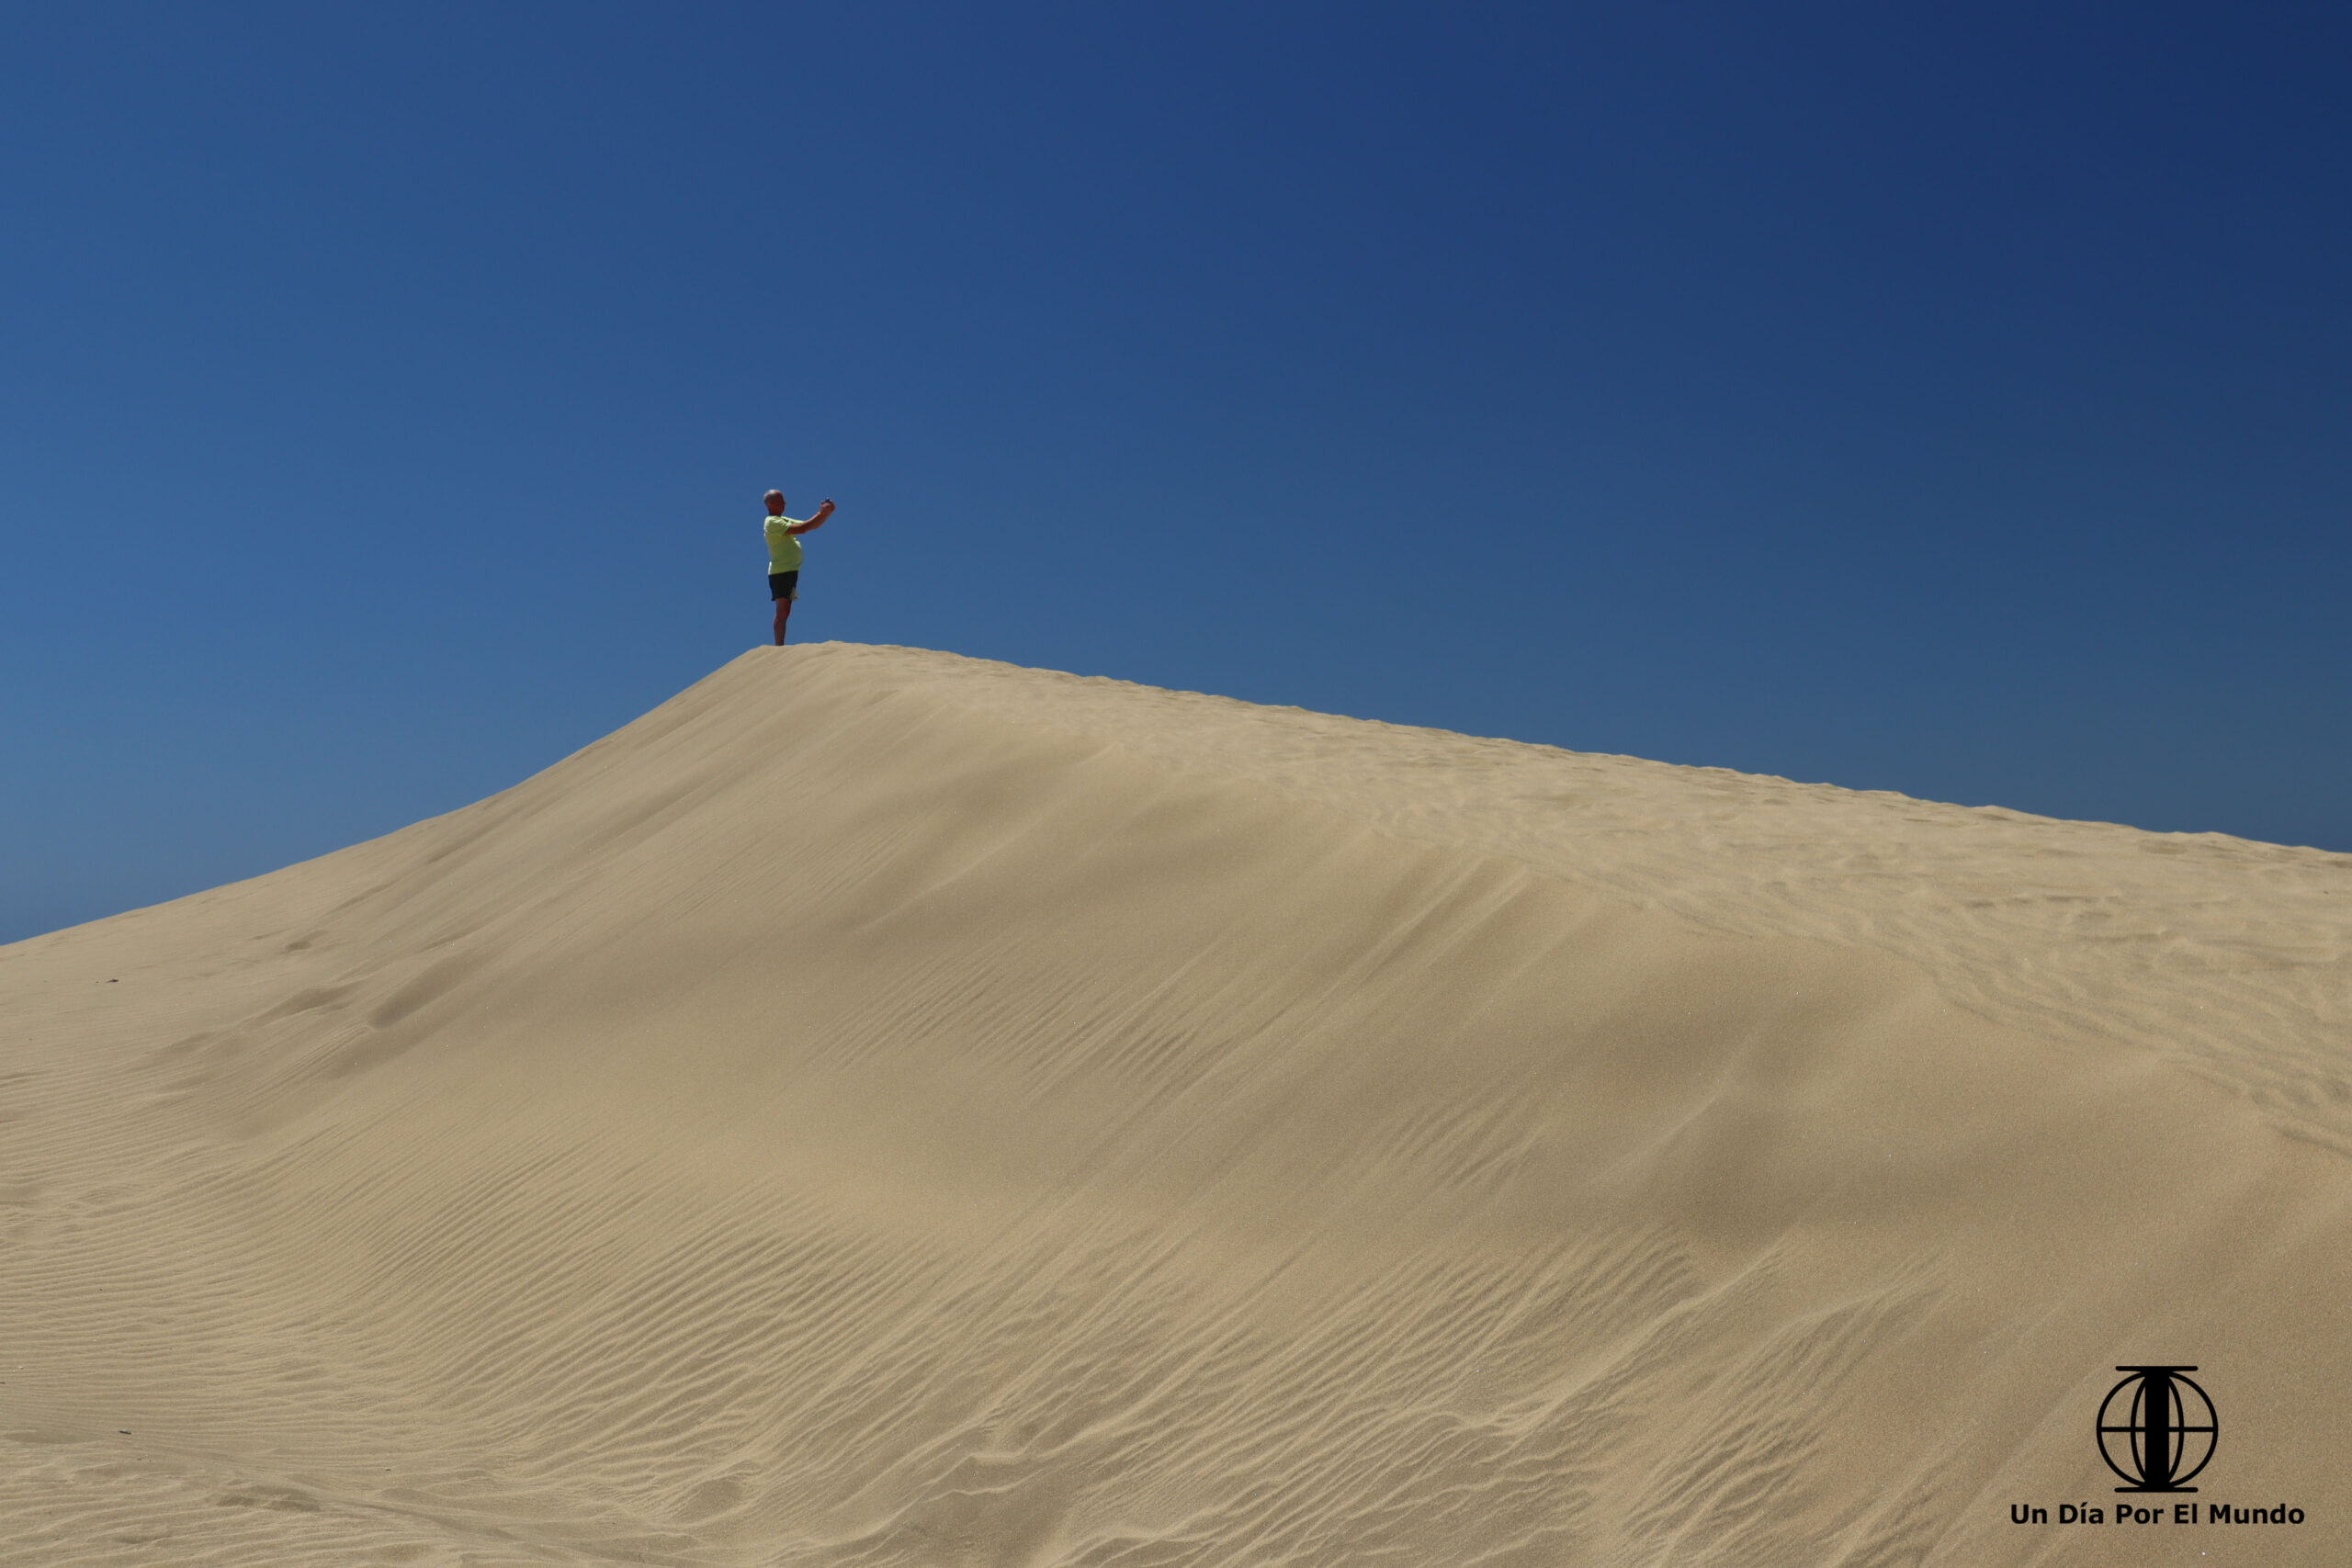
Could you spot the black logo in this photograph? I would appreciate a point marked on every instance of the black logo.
(2155, 1438)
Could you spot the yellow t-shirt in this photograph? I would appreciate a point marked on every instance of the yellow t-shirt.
(784, 546)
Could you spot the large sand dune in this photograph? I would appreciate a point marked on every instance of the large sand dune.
(884, 1108)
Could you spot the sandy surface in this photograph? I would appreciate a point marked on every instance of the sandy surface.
(886, 1108)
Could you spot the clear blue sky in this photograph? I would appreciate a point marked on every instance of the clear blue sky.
(1951, 399)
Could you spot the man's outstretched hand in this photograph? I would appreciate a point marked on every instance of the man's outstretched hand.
(816, 521)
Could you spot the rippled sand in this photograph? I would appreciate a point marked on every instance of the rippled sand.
(887, 1107)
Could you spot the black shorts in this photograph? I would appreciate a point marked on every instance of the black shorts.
(781, 584)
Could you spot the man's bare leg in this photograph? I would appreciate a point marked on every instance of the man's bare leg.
(782, 614)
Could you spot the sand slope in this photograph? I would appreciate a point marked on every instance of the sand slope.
(884, 1108)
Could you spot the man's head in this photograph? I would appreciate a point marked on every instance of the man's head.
(775, 503)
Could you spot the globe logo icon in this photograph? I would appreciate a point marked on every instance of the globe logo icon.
(2156, 1429)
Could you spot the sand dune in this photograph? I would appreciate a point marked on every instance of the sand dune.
(884, 1108)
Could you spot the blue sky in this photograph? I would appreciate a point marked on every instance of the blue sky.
(1951, 399)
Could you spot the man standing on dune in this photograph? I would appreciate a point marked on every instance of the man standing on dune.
(783, 556)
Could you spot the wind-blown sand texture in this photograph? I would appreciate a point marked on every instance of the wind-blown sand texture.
(887, 1107)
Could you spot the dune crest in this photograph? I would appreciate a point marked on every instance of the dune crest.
(887, 1107)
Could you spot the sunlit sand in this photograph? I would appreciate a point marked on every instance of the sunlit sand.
(887, 1107)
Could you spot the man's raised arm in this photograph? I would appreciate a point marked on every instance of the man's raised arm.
(815, 521)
